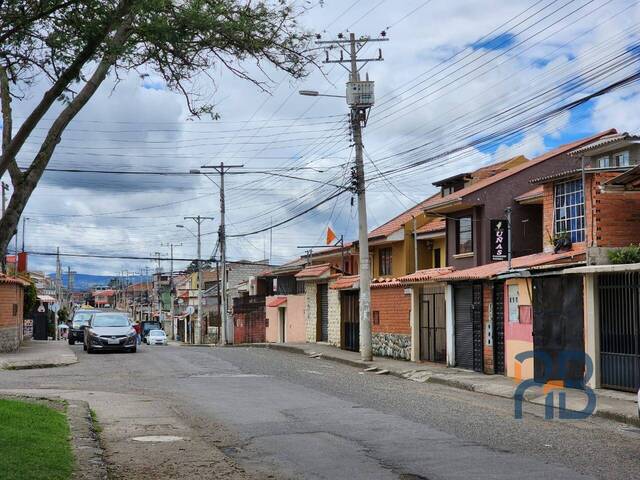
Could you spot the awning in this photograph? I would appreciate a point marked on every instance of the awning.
(276, 302)
(46, 299)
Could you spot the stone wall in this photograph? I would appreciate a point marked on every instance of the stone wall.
(392, 345)
(334, 317)
(310, 310)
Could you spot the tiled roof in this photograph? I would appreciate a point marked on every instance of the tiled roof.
(433, 226)
(606, 140)
(479, 185)
(493, 269)
(425, 275)
(385, 282)
(47, 299)
(398, 221)
(314, 271)
(292, 266)
(346, 282)
(103, 293)
(531, 194)
(276, 302)
(13, 280)
(626, 178)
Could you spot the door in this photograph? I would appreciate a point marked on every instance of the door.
(619, 310)
(464, 328)
(558, 329)
(323, 313)
(498, 327)
(350, 319)
(282, 313)
(478, 330)
(433, 337)
(40, 322)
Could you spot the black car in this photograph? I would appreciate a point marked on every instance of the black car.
(110, 331)
(80, 320)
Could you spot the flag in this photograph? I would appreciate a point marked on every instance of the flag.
(331, 236)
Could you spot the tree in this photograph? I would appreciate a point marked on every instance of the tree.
(193, 266)
(74, 45)
(30, 299)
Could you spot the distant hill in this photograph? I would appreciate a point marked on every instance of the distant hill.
(83, 282)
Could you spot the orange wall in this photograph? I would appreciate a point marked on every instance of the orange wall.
(294, 318)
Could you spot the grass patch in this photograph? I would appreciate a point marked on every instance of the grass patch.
(34, 442)
(94, 420)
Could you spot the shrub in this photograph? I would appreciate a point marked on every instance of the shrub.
(630, 254)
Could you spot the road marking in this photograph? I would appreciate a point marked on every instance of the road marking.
(313, 371)
(229, 375)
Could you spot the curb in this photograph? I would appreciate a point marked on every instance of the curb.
(31, 366)
(618, 417)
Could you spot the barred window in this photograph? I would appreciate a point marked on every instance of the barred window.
(569, 210)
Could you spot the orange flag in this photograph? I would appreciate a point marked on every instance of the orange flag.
(331, 236)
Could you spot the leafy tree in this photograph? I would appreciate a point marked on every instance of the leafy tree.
(193, 266)
(30, 299)
(74, 45)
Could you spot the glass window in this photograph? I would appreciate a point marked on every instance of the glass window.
(622, 159)
(603, 162)
(464, 235)
(110, 320)
(385, 261)
(569, 210)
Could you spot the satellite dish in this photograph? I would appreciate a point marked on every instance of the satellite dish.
(54, 307)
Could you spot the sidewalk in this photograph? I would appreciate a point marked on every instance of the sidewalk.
(38, 354)
(614, 405)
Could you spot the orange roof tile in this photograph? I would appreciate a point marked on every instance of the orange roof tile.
(474, 187)
(314, 271)
(425, 275)
(433, 226)
(13, 280)
(276, 302)
(493, 269)
(531, 194)
(346, 282)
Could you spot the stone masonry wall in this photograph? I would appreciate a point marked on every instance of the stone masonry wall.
(392, 345)
(334, 317)
(310, 310)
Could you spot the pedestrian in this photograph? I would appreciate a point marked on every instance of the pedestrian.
(136, 327)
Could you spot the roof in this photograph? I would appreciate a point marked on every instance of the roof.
(493, 269)
(606, 141)
(13, 280)
(630, 177)
(433, 226)
(480, 184)
(314, 271)
(425, 275)
(276, 302)
(290, 267)
(346, 282)
(533, 194)
(102, 293)
(398, 221)
(46, 299)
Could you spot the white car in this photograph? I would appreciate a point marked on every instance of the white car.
(156, 337)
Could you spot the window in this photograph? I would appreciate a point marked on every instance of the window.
(464, 235)
(376, 317)
(385, 261)
(621, 159)
(514, 312)
(569, 210)
(436, 258)
(447, 190)
(15, 309)
(603, 162)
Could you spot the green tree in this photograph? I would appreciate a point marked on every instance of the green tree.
(30, 299)
(74, 45)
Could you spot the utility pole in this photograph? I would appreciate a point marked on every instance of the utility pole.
(156, 290)
(5, 189)
(24, 230)
(58, 291)
(198, 328)
(222, 169)
(360, 98)
(174, 325)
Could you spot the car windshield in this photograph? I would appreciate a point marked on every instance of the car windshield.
(156, 333)
(107, 320)
(81, 318)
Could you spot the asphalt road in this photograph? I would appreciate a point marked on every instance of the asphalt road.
(283, 415)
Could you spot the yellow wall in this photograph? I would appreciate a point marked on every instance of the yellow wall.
(441, 244)
(397, 259)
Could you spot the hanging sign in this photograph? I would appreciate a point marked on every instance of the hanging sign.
(499, 240)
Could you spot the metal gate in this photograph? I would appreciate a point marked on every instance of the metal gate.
(350, 313)
(464, 327)
(619, 300)
(40, 324)
(558, 329)
(323, 313)
(498, 327)
(476, 318)
(433, 336)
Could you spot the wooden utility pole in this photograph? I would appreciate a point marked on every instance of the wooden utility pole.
(360, 98)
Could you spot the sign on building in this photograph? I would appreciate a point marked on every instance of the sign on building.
(499, 240)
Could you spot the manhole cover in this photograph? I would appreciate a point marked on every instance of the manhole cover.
(158, 438)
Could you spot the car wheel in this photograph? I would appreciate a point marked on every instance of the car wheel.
(134, 350)
(72, 341)
(90, 350)
(84, 347)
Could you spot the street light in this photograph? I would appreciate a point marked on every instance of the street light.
(315, 93)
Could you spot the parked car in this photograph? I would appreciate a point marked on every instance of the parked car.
(156, 337)
(110, 331)
(78, 323)
(147, 326)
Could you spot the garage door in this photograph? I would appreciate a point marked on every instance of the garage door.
(464, 327)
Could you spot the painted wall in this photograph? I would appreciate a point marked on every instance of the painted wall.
(295, 325)
(398, 259)
(310, 311)
(10, 325)
(518, 336)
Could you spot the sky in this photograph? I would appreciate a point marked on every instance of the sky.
(457, 88)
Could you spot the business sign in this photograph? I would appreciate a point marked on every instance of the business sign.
(499, 240)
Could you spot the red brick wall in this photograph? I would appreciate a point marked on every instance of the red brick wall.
(393, 307)
(10, 325)
(487, 299)
(616, 215)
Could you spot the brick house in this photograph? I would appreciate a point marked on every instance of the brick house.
(11, 314)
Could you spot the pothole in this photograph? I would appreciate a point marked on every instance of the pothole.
(158, 438)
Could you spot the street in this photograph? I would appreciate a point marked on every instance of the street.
(283, 415)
